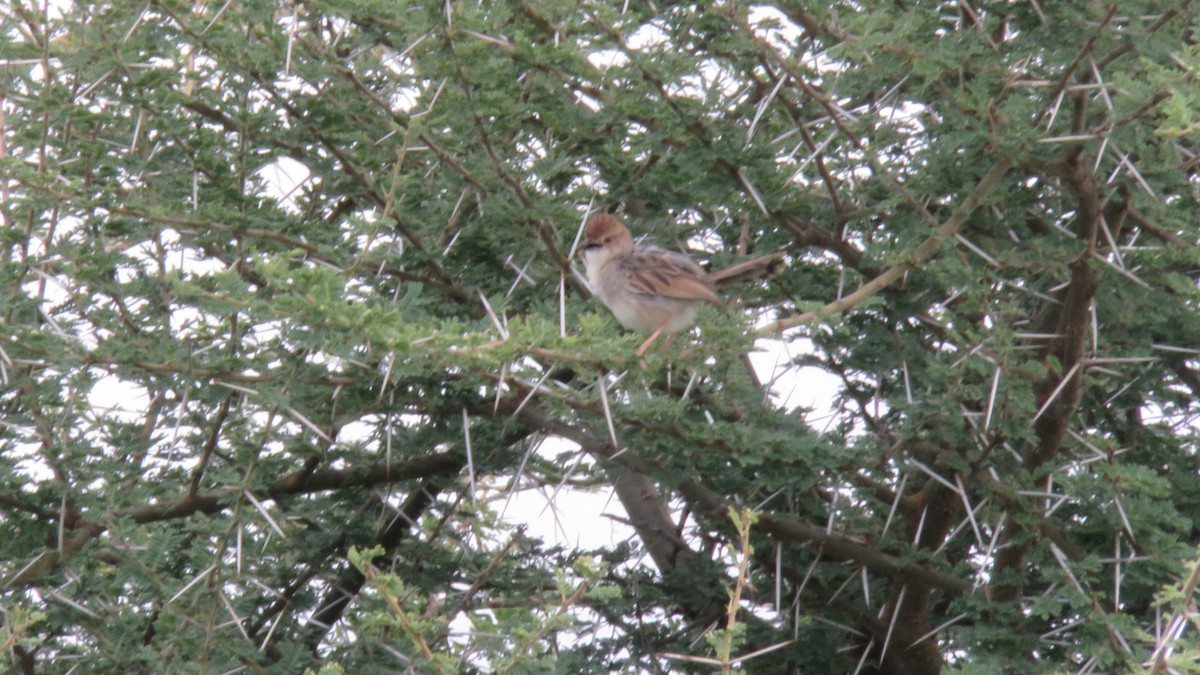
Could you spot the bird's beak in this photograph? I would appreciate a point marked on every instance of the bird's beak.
(583, 248)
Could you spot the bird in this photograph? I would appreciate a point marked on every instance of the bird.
(651, 290)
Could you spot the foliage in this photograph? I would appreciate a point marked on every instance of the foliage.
(289, 317)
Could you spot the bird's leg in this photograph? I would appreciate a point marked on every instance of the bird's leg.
(650, 340)
(667, 343)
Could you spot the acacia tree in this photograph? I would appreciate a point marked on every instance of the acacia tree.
(289, 314)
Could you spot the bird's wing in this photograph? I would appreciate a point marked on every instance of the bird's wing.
(668, 274)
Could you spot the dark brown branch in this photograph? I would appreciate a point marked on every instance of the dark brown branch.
(351, 581)
(713, 505)
(210, 444)
(1060, 391)
(296, 483)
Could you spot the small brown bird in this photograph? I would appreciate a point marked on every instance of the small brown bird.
(650, 289)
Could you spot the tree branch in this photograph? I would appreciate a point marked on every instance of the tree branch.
(296, 483)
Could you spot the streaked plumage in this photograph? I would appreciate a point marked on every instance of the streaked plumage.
(648, 289)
